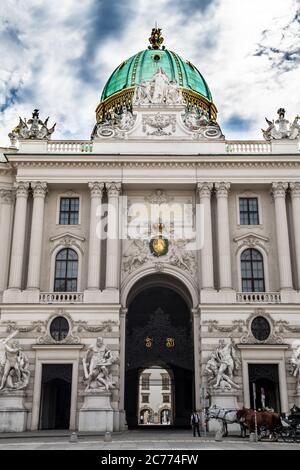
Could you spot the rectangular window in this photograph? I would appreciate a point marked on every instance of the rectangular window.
(166, 398)
(249, 211)
(145, 382)
(165, 382)
(69, 211)
(145, 398)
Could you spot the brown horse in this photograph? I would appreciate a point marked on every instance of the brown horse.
(264, 419)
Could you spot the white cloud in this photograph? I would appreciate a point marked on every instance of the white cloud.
(43, 53)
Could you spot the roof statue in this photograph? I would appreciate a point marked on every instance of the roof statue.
(156, 39)
(34, 129)
(282, 128)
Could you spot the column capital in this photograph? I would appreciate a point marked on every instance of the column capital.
(21, 189)
(96, 189)
(222, 189)
(295, 189)
(39, 189)
(7, 196)
(113, 189)
(279, 189)
(204, 189)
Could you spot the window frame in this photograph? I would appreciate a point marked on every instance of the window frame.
(252, 279)
(67, 248)
(249, 195)
(68, 195)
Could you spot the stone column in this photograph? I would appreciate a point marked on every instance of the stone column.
(36, 237)
(196, 328)
(94, 265)
(283, 243)
(113, 242)
(295, 194)
(222, 190)
(17, 251)
(123, 316)
(207, 268)
(6, 207)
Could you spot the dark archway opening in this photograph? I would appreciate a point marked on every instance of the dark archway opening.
(159, 333)
(56, 396)
(266, 381)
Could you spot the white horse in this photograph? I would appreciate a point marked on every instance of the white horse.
(225, 416)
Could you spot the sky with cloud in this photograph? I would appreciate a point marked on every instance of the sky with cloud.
(57, 55)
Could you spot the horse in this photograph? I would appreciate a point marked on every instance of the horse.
(225, 416)
(264, 419)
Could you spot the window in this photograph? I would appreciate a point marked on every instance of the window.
(260, 328)
(249, 211)
(66, 271)
(166, 398)
(145, 398)
(59, 328)
(145, 381)
(69, 211)
(252, 269)
(165, 382)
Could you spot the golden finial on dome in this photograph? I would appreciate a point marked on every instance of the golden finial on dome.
(156, 38)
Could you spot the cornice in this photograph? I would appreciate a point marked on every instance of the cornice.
(161, 163)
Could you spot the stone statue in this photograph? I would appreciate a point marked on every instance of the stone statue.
(115, 125)
(198, 123)
(180, 257)
(126, 119)
(96, 365)
(282, 128)
(158, 90)
(135, 255)
(32, 129)
(222, 365)
(14, 365)
(295, 365)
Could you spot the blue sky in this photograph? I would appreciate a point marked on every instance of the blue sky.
(57, 55)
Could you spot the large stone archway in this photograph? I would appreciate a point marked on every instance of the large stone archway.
(159, 331)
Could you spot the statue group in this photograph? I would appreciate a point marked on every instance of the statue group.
(34, 129)
(222, 365)
(97, 365)
(14, 365)
(282, 128)
(159, 90)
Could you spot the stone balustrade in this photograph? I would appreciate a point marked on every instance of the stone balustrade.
(61, 297)
(258, 297)
(248, 146)
(65, 146)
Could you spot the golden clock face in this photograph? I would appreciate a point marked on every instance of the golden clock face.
(159, 246)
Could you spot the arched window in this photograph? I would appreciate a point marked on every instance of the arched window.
(252, 269)
(66, 271)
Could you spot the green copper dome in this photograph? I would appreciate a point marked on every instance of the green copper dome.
(142, 66)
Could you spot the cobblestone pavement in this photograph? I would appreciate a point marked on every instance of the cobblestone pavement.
(134, 440)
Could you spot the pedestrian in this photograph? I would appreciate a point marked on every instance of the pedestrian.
(195, 423)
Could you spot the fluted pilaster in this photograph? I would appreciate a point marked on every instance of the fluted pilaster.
(283, 244)
(224, 251)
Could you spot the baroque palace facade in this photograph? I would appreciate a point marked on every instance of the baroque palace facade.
(156, 243)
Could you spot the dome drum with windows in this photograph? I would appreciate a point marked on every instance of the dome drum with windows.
(139, 69)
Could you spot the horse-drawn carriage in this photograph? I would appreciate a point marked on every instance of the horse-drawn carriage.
(269, 424)
(289, 430)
